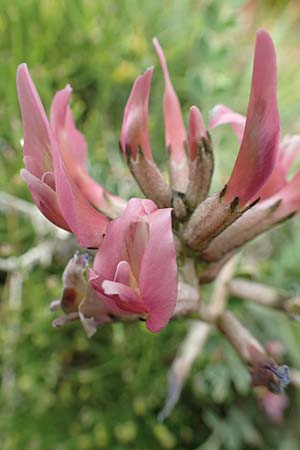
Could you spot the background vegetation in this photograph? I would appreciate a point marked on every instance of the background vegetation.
(66, 392)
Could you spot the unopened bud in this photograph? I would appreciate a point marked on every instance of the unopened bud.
(210, 218)
(150, 179)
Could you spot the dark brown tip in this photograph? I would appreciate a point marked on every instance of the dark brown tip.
(234, 204)
(223, 192)
(254, 203)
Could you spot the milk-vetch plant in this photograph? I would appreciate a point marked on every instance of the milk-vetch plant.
(152, 255)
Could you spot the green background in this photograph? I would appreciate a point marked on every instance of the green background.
(65, 391)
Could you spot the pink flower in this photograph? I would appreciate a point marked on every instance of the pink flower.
(258, 133)
(134, 133)
(55, 166)
(275, 160)
(259, 147)
(135, 267)
(277, 187)
(289, 150)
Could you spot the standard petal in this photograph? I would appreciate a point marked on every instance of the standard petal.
(135, 244)
(175, 134)
(86, 222)
(221, 115)
(158, 275)
(134, 132)
(259, 148)
(45, 199)
(36, 148)
(112, 249)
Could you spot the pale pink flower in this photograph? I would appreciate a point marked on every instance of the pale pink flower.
(135, 267)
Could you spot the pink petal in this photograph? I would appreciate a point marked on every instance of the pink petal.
(197, 131)
(259, 148)
(86, 223)
(158, 275)
(134, 132)
(109, 204)
(222, 115)
(175, 134)
(45, 199)
(71, 142)
(125, 297)
(35, 124)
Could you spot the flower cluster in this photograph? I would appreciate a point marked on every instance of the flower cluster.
(144, 244)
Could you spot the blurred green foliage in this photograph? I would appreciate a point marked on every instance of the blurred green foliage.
(61, 391)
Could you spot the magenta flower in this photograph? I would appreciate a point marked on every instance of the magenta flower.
(135, 267)
(55, 166)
